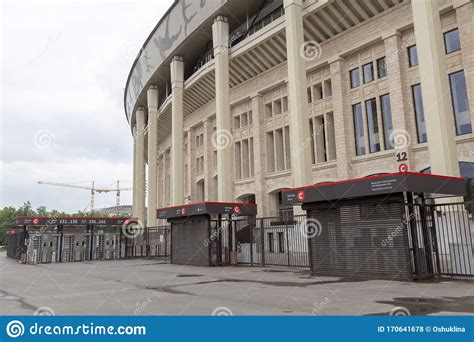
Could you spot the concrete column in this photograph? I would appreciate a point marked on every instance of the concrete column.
(299, 129)
(166, 172)
(189, 160)
(465, 14)
(192, 164)
(435, 88)
(259, 151)
(177, 138)
(208, 169)
(152, 100)
(140, 165)
(223, 136)
(394, 46)
(342, 118)
(135, 186)
(160, 173)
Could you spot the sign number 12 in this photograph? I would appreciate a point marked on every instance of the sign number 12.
(402, 156)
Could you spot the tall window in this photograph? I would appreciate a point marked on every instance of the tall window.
(419, 113)
(387, 121)
(354, 77)
(412, 56)
(238, 160)
(368, 72)
(462, 117)
(372, 125)
(281, 242)
(278, 149)
(244, 167)
(381, 67)
(271, 247)
(451, 41)
(358, 129)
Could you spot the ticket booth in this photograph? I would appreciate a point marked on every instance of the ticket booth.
(66, 239)
(206, 234)
(376, 227)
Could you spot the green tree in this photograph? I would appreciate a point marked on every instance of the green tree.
(41, 211)
(26, 210)
(6, 221)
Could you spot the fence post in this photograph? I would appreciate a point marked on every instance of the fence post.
(147, 242)
(252, 222)
(287, 241)
(262, 241)
(166, 242)
(434, 235)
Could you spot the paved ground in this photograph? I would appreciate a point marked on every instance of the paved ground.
(146, 287)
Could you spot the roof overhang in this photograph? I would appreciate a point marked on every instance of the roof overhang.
(207, 208)
(393, 183)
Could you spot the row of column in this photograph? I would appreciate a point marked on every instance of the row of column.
(220, 31)
(435, 92)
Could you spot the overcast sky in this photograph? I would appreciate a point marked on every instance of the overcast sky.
(64, 67)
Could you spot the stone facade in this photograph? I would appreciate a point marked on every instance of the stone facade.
(387, 35)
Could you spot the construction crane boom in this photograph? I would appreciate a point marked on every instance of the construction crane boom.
(92, 189)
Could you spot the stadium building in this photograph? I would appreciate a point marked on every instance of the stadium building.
(236, 100)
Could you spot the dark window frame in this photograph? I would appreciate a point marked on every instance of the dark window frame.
(419, 138)
(378, 68)
(444, 41)
(271, 245)
(371, 72)
(356, 136)
(388, 145)
(409, 56)
(351, 79)
(453, 104)
(281, 242)
(375, 124)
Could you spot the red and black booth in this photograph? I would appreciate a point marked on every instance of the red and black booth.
(376, 227)
(44, 239)
(205, 234)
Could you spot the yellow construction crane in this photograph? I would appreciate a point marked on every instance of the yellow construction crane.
(92, 189)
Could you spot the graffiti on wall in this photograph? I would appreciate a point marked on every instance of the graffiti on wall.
(183, 19)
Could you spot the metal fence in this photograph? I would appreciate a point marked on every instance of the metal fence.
(283, 240)
(263, 241)
(441, 239)
(150, 242)
(455, 244)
